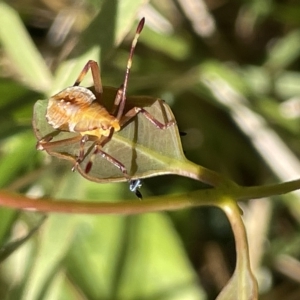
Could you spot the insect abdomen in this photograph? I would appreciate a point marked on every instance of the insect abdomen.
(75, 110)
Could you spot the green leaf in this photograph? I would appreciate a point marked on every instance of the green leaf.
(7, 217)
(14, 245)
(21, 50)
(135, 257)
(106, 31)
(16, 157)
(56, 237)
(284, 52)
(15, 107)
(144, 149)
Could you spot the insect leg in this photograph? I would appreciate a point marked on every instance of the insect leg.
(109, 158)
(93, 65)
(128, 67)
(46, 139)
(134, 111)
(45, 143)
(81, 154)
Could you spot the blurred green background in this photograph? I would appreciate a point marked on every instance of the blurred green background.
(230, 72)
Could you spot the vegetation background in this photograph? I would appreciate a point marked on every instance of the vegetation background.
(230, 72)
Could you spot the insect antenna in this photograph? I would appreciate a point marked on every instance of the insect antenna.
(128, 67)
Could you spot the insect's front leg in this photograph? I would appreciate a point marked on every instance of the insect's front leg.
(93, 65)
(45, 142)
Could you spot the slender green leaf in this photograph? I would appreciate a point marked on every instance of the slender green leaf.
(57, 234)
(104, 33)
(13, 246)
(20, 49)
(285, 51)
(137, 257)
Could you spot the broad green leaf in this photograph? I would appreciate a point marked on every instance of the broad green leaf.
(142, 148)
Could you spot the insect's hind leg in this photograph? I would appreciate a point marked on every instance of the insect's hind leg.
(136, 110)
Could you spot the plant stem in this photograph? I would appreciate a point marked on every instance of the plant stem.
(162, 203)
(254, 192)
(243, 284)
(189, 169)
(18, 201)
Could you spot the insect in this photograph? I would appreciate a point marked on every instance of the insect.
(78, 109)
(134, 186)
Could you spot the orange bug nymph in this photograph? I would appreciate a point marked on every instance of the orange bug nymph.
(75, 110)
